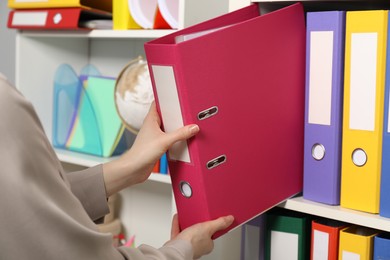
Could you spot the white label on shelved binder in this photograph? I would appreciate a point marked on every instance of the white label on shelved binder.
(350, 256)
(284, 246)
(320, 245)
(363, 81)
(29, 18)
(30, 1)
(171, 113)
(320, 77)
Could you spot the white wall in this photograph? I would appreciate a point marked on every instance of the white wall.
(7, 44)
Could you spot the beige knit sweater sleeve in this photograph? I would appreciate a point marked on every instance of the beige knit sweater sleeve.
(46, 214)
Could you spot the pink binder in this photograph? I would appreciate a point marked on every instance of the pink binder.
(243, 84)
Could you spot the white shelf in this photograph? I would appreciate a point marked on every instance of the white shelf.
(338, 213)
(87, 160)
(105, 34)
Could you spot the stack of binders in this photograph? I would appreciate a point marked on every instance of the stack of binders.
(294, 235)
(347, 143)
(64, 15)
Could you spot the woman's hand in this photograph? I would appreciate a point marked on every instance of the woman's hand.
(199, 235)
(136, 165)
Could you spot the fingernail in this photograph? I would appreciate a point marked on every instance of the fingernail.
(194, 129)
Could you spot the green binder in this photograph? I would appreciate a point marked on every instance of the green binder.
(287, 235)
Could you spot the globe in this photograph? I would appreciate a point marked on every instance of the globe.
(134, 94)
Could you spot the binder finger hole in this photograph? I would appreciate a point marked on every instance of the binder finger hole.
(212, 111)
(318, 152)
(216, 162)
(359, 157)
(185, 189)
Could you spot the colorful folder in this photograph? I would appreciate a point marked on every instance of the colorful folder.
(356, 243)
(323, 106)
(365, 63)
(325, 239)
(121, 16)
(249, 105)
(252, 239)
(382, 246)
(287, 235)
(60, 18)
(84, 118)
(98, 129)
(30, 4)
(384, 204)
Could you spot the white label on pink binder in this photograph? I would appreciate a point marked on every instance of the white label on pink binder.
(171, 113)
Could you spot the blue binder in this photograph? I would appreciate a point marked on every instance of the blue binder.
(384, 204)
(382, 247)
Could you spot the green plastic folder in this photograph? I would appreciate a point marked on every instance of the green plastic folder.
(98, 128)
(287, 235)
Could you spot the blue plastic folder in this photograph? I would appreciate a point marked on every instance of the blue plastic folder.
(382, 246)
(67, 88)
(85, 117)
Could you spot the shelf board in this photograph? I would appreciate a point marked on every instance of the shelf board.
(119, 34)
(87, 160)
(338, 213)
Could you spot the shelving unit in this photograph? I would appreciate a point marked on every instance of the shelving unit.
(338, 213)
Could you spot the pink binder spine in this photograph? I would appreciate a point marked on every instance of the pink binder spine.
(182, 173)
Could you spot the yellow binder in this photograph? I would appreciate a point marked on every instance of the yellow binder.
(356, 243)
(95, 4)
(364, 81)
(121, 16)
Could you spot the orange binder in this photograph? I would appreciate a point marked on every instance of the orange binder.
(325, 239)
(244, 86)
(61, 18)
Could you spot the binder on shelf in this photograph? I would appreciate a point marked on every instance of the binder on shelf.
(384, 202)
(147, 14)
(170, 11)
(365, 63)
(325, 239)
(252, 239)
(323, 106)
(164, 164)
(54, 18)
(356, 243)
(245, 119)
(32, 4)
(382, 246)
(121, 16)
(97, 120)
(287, 235)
